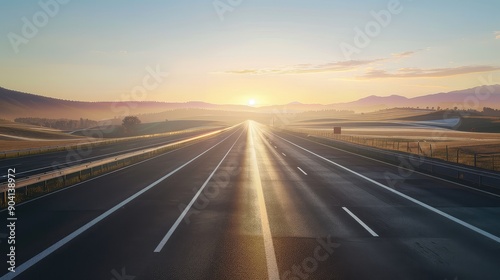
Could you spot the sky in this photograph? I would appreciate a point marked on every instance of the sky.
(234, 51)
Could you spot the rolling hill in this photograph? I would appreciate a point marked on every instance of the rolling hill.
(15, 104)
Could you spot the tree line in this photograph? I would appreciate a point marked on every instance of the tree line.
(62, 124)
(491, 112)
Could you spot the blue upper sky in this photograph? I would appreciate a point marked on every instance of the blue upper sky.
(271, 51)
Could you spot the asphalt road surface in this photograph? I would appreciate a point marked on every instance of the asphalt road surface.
(40, 163)
(253, 203)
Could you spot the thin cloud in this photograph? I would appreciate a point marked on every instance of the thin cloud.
(497, 35)
(405, 54)
(340, 66)
(427, 73)
(109, 53)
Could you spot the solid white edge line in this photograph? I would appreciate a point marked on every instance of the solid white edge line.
(428, 207)
(407, 169)
(373, 233)
(29, 263)
(272, 264)
(92, 179)
(85, 160)
(302, 170)
(186, 210)
(95, 178)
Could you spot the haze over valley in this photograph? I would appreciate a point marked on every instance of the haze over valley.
(249, 139)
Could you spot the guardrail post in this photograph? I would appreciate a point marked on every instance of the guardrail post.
(447, 158)
(475, 159)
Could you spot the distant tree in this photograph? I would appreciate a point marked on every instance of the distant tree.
(130, 122)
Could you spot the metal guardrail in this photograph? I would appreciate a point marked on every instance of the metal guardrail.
(43, 178)
(90, 142)
(451, 153)
(483, 179)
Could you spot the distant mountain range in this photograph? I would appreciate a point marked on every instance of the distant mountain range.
(473, 98)
(14, 104)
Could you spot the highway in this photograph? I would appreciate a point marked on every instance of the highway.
(256, 203)
(46, 162)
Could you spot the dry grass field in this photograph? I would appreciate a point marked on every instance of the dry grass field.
(117, 131)
(417, 132)
(17, 136)
(19, 131)
(10, 145)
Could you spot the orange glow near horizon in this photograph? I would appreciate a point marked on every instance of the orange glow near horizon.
(274, 59)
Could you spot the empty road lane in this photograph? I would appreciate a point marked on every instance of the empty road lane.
(257, 203)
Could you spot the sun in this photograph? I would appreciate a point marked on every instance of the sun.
(251, 102)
